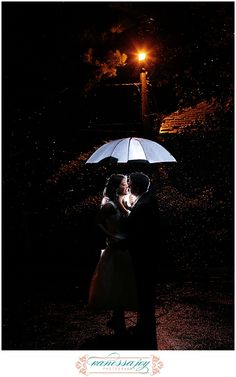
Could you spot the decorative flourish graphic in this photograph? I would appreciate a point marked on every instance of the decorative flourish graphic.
(115, 363)
(81, 365)
(157, 364)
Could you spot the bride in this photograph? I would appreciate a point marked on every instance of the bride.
(113, 284)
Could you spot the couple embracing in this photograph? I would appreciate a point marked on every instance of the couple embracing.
(124, 279)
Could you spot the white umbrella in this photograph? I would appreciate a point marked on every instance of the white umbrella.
(131, 149)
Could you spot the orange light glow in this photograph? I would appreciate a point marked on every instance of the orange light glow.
(142, 56)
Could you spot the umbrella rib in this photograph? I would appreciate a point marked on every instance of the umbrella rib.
(143, 151)
(116, 146)
(129, 148)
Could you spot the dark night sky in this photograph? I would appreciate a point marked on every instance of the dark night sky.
(44, 42)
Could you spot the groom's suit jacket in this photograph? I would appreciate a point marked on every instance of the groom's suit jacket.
(143, 227)
(143, 242)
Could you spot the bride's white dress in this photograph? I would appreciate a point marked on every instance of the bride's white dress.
(113, 283)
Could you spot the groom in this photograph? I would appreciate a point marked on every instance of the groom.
(143, 227)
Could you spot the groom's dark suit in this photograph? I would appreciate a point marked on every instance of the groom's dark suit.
(143, 237)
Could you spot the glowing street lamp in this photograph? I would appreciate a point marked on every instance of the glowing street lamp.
(142, 56)
(144, 102)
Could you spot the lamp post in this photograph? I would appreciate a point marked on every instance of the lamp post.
(144, 100)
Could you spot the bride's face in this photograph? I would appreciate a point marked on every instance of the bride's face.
(123, 187)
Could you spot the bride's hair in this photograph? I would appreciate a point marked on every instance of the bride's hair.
(112, 185)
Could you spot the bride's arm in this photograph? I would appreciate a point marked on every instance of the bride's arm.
(103, 219)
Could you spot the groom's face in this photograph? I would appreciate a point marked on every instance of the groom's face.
(132, 188)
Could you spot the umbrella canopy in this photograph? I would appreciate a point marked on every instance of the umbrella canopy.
(131, 149)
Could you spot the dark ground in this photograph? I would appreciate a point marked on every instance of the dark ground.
(191, 315)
